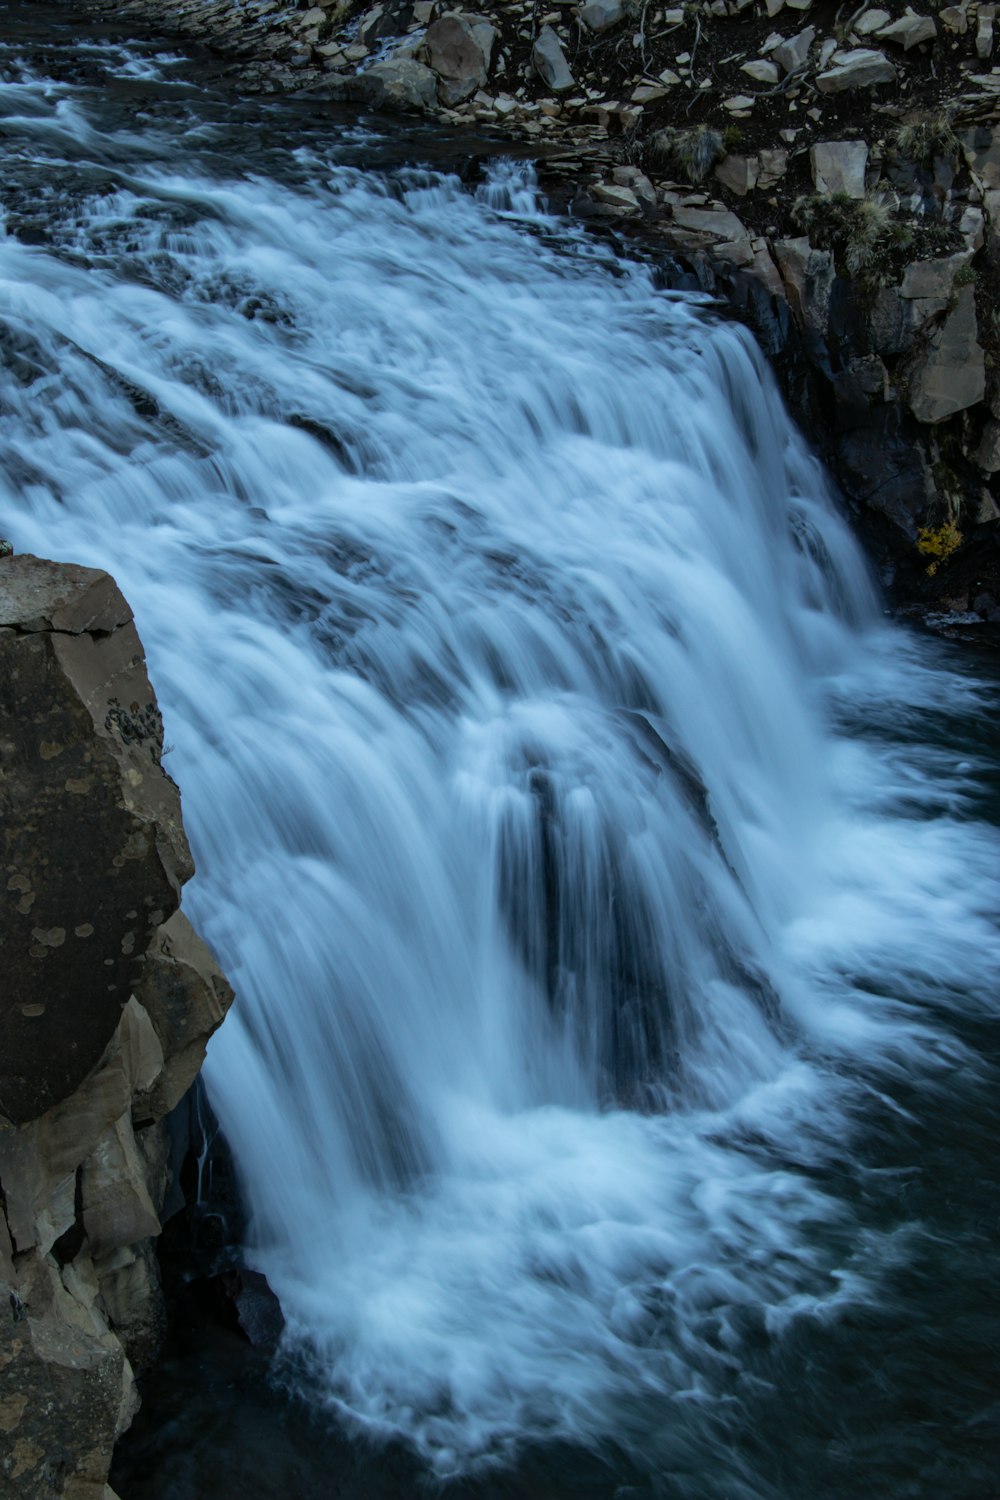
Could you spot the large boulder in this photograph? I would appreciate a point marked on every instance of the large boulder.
(401, 84)
(94, 852)
(458, 49)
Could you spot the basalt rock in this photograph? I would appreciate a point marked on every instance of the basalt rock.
(109, 1001)
(94, 852)
(950, 373)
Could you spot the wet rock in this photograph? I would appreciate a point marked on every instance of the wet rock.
(244, 1300)
(549, 61)
(862, 68)
(186, 996)
(950, 375)
(870, 375)
(886, 470)
(839, 167)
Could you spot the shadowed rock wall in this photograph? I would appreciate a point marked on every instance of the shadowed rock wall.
(107, 1003)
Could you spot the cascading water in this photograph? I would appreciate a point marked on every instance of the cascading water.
(533, 716)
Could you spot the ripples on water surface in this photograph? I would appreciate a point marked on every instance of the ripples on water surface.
(609, 892)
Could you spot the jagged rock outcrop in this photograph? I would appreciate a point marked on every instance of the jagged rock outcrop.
(108, 1002)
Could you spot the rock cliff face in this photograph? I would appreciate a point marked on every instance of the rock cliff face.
(108, 1001)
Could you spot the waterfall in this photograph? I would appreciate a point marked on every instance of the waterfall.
(560, 800)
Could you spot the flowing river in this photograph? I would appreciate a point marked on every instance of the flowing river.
(609, 889)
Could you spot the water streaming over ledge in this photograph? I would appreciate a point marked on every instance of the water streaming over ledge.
(566, 816)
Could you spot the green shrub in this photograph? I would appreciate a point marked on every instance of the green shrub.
(856, 229)
(922, 140)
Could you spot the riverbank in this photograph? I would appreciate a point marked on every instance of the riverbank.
(832, 179)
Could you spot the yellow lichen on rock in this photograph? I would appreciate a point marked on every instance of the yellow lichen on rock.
(938, 543)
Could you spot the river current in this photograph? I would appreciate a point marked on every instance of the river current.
(608, 887)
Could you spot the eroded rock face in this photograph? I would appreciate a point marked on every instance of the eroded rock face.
(109, 1004)
(950, 374)
(94, 852)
